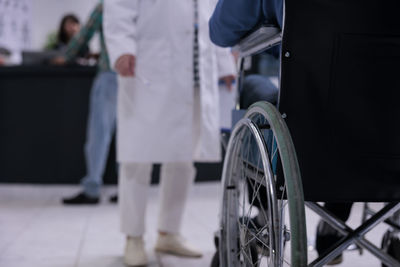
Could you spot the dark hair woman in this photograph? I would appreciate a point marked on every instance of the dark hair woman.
(69, 27)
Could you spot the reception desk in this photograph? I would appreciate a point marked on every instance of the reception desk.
(43, 114)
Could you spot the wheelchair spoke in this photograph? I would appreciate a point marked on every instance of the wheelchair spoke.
(263, 211)
(287, 262)
(252, 183)
(283, 192)
(255, 195)
(260, 240)
(254, 228)
(243, 177)
(243, 253)
(254, 236)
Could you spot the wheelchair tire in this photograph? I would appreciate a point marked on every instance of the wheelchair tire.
(250, 184)
(391, 245)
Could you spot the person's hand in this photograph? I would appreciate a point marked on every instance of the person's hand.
(236, 55)
(125, 65)
(228, 81)
(94, 56)
(2, 61)
(59, 60)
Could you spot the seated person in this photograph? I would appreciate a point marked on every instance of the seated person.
(102, 111)
(231, 21)
(69, 27)
(258, 82)
(234, 19)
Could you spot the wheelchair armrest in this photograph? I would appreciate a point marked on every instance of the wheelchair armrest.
(261, 39)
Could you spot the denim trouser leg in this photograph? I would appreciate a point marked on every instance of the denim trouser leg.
(100, 129)
(257, 88)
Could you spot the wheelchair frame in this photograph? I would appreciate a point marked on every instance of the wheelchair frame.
(255, 43)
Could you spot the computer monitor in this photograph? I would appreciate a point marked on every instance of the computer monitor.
(38, 57)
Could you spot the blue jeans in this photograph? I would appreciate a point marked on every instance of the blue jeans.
(100, 130)
(268, 65)
(257, 88)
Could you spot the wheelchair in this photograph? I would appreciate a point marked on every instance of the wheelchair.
(333, 138)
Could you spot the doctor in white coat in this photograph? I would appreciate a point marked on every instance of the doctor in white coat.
(167, 109)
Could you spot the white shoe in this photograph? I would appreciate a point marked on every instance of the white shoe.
(175, 244)
(135, 254)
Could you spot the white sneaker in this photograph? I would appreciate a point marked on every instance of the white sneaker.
(175, 244)
(135, 254)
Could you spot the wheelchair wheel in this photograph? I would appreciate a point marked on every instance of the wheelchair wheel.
(391, 245)
(261, 183)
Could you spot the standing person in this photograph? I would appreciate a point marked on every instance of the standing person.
(102, 110)
(167, 109)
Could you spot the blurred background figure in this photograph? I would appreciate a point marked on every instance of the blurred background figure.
(69, 26)
(102, 105)
(42, 33)
(15, 30)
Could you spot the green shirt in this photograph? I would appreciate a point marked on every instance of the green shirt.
(94, 24)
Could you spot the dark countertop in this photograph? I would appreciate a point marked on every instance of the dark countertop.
(47, 70)
(43, 114)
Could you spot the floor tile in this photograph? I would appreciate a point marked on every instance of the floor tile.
(37, 230)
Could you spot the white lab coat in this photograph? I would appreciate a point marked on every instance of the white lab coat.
(156, 118)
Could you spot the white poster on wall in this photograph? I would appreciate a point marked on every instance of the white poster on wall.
(15, 24)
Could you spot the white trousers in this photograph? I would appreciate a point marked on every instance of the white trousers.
(134, 180)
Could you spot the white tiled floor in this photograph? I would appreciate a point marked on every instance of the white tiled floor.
(37, 231)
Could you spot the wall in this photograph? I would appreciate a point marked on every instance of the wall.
(15, 28)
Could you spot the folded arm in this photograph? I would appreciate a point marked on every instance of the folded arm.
(233, 19)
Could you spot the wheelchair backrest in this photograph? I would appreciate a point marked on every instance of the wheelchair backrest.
(340, 90)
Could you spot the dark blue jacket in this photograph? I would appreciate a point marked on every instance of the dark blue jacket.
(234, 19)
